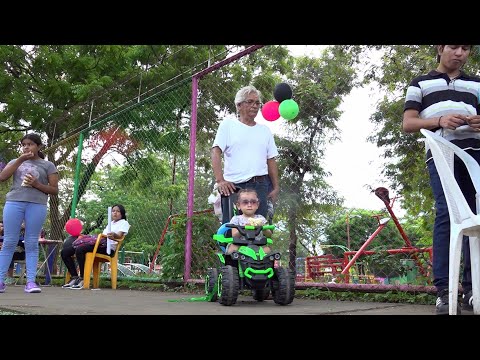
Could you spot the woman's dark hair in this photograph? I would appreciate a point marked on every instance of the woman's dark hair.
(37, 140)
(122, 210)
(436, 53)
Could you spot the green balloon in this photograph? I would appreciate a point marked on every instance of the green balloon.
(288, 109)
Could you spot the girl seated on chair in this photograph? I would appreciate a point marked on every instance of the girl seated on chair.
(119, 228)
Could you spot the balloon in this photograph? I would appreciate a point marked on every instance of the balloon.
(288, 109)
(73, 227)
(270, 110)
(282, 92)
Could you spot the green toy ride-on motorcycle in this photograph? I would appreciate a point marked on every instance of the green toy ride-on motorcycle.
(249, 268)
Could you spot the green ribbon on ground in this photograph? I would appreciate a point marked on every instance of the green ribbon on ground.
(207, 297)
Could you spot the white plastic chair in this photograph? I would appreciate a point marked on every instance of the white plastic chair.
(462, 220)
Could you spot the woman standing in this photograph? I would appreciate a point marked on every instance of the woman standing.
(33, 180)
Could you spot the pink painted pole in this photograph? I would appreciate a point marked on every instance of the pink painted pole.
(191, 181)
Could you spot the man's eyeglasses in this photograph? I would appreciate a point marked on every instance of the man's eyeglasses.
(246, 202)
(253, 102)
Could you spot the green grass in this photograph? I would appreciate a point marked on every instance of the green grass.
(10, 312)
(389, 296)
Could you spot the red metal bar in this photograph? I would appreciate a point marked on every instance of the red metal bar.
(316, 266)
(397, 224)
(405, 250)
(404, 235)
(362, 248)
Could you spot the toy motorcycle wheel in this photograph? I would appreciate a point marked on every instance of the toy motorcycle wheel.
(211, 284)
(283, 286)
(260, 294)
(228, 285)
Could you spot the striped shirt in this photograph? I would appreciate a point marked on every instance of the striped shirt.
(435, 95)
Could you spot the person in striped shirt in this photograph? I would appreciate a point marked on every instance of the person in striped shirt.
(446, 101)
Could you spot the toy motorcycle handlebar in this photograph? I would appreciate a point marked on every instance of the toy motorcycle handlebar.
(248, 234)
(244, 230)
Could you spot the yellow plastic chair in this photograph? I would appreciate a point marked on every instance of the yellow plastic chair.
(462, 220)
(94, 260)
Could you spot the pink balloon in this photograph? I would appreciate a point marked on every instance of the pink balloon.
(73, 227)
(270, 110)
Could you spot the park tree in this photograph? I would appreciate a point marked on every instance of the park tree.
(60, 90)
(57, 90)
(319, 84)
(404, 154)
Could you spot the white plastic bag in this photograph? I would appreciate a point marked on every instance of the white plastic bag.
(215, 199)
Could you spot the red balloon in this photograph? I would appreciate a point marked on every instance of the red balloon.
(73, 227)
(270, 110)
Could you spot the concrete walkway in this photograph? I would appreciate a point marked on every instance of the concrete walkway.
(57, 301)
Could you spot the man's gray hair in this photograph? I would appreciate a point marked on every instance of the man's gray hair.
(244, 92)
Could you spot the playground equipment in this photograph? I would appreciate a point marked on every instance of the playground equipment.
(323, 267)
(320, 267)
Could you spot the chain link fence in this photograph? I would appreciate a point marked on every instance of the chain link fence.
(140, 155)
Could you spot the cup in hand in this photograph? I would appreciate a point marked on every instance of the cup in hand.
(25, 179)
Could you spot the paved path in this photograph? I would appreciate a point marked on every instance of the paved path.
(57, 301)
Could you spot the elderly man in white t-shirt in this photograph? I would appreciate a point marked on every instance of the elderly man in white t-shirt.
(249, 153)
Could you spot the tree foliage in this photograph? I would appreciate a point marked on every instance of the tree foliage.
(404, 153)
(319, 85)
(57, 90)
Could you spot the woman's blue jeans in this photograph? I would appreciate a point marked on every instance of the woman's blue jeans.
(14, 213)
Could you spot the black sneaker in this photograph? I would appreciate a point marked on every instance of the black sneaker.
(70, 283)
(467, 301)
(441, 305)
(78, 284)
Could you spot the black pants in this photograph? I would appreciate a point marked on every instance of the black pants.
(68, 251)
(17, 256)
(261, 187)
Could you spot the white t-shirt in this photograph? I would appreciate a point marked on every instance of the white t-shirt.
(245, 148)
(116, 226)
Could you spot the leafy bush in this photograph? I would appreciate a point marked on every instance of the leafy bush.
(172, 252)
